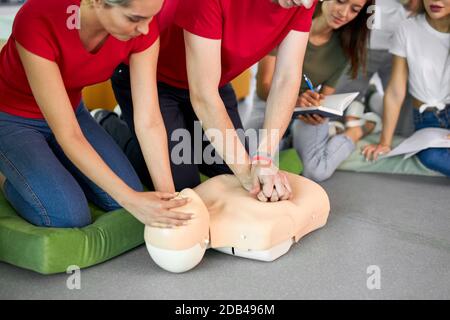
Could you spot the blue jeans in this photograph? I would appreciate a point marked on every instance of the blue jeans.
(42, 184)
(437, 159)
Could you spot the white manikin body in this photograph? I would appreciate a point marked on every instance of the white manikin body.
(238, 224)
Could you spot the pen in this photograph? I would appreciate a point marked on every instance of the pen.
(308, 83)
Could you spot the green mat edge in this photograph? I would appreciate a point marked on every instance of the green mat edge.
(54, 256)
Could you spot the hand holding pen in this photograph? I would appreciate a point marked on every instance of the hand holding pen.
(312, 96)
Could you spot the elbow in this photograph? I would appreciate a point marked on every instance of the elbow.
(197, 96)
(148, 125)
(202, 100)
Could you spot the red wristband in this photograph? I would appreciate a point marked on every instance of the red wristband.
(261, 158)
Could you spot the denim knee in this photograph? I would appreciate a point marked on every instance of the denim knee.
(75, 216)
(59, 211)
(69, 212)
(317, 172)
(433, 159)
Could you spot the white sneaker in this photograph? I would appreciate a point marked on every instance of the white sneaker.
(118, 111)
(100, 114)
(356, 110)
(94, 112)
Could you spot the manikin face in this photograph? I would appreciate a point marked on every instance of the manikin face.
(340, 12)
(294, 3)
(437, 9)
(125, 23)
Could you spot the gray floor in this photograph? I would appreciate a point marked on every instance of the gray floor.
(400, 224)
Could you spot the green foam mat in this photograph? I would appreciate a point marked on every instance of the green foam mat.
(397, 165)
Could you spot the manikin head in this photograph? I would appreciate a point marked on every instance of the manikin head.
(182, 248)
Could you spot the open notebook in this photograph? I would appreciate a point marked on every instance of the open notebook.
(421, 140)
(332, 106)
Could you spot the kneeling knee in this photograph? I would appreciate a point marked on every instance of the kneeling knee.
(316, 173)
(70, 214)
(430, 159)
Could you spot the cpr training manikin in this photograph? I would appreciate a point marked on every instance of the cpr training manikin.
(228, 219)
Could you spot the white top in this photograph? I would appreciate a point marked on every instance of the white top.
(387, 16)
(427, 53)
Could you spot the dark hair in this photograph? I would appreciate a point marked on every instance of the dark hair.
(354, 37)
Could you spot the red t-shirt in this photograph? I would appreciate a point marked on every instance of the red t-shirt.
(45, 28)
(249, 29)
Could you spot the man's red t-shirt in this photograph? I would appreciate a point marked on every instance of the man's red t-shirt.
(47, 29)
(249, 30)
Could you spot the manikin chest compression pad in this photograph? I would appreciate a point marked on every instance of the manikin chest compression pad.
(240, 221)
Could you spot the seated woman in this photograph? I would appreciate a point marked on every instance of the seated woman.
(338, 36)
(53, 155)
(421, 49)
(254, 229)
(388, 15)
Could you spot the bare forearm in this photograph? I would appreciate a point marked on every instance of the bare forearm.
(154, 147)
(149, 124)
(280, 105)
(392, 106)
